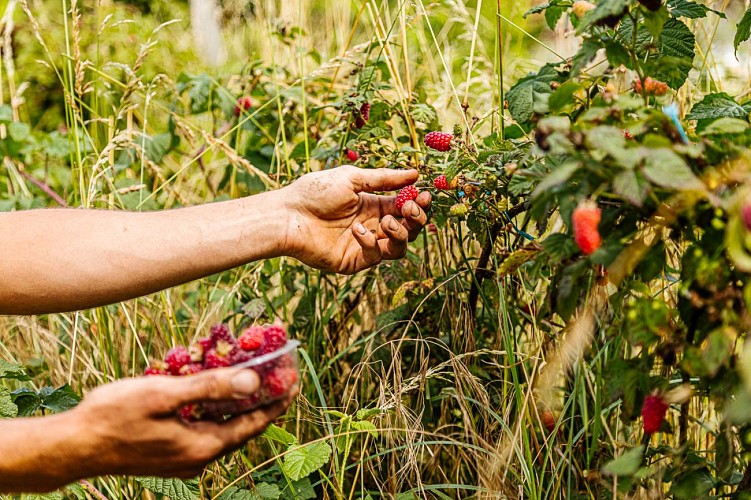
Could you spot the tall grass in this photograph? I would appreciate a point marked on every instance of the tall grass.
(460, 414)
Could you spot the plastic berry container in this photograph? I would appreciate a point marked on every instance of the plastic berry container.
(279, 374)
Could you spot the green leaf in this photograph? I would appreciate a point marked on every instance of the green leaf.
(6, 114)
(365, 425)
(676, 49)
(301, 490)
(304, 459)
(19, 131)
(7, 408)
(176, 489)
(278, 434)
(726, 126)
(692, 485)
(261, 491)
(557, 176)
(666, 169)
(625, 465)
(744, 30)
(586, 53)
(553, 15)
(604, 10)
(61, 399)
(719, 105)
(690, 10)
(630, 187)
(717, 349)
(530, 94)
(563, 97)
(27, 401)
(13, 371)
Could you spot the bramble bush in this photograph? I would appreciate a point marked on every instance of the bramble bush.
(573, 321)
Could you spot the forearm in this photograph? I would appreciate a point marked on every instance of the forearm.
(54, 260)
(40, 454)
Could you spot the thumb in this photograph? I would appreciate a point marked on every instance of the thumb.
(215, 384)
(381, 179)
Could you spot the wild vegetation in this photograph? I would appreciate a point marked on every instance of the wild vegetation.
(572, 323)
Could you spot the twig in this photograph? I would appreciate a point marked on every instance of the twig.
(44, 187)
(91, 489)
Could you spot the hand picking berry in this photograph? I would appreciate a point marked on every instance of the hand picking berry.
(653, 412)
(585, 220)
(406, 194)
(440, 182)
(440, 141)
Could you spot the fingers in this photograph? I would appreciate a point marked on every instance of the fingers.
(394, 245)
(371, 253)
(240, 429)
(170, 393)
(414, 215)
(381, 179)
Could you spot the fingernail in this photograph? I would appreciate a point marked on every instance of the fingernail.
(415, 210)
(393, 225)
(361, 229)
(244, 383)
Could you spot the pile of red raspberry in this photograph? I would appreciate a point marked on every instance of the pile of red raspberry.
(220, 349)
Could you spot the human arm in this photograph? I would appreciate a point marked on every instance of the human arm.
(130, 427)
(56, 260)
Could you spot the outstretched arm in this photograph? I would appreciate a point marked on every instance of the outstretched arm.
(54, 260)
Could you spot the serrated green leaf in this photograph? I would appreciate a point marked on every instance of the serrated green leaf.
(536, 9)
(628, 186)
(55, 495)
(305, 459)
(175, 489)
(530, 94)
(743, 30)
(301, 490)
(261, 491)
(553, 15)
(557, 176)
(27, 401)
(625, 465)
(676, 48)
(666, 169)
(690, 10)
(365, 425)
(719, 105)
(367, 413)
(276, 433)
(13, 371)
(726, 126)
(692, 484)
(61, 399)
(7, 408)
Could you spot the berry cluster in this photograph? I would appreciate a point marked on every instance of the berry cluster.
(650, 87)
(221, 349)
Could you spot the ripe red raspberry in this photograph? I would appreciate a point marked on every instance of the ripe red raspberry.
(628, 135)
(274, 337)
(239, 356)
(206, 343)
(213, 359)
(650, 87)
(278, 382)
(191, 369)
(252, 338)
(243, 104)
(585, 219)
(363, 116)
(406, 194)
(653, 412)
(440, 182)
(440, 141)
(221, 332)
(352, 155)
(156, 368)
(176, 358)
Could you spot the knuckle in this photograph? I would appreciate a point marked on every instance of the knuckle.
(209, 386)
